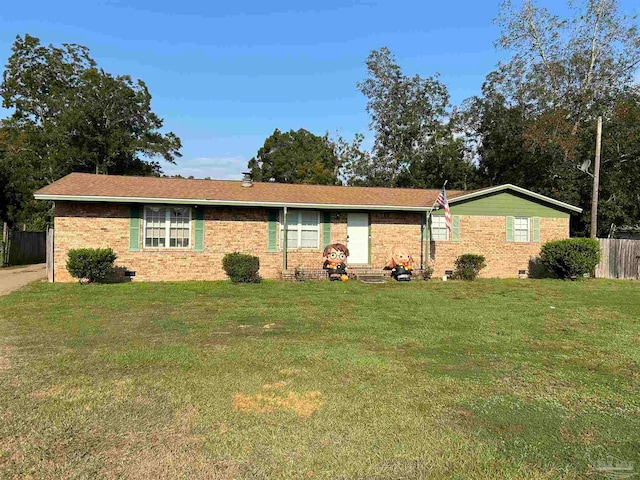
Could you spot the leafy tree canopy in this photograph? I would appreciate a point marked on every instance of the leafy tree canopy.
(534, 123)
(564, 71)
(296, 157)
(69, 115)
(415, 143)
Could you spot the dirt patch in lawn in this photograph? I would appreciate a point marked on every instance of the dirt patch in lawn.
(5, 352)
(272, 398)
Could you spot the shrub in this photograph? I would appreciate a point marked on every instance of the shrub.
(241, 268)
(571, 258)
(468, 266)
(537, 269)
(427, 272)
(91, 264)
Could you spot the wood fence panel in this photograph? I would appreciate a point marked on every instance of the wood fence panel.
(26, 248)
(619, 258)
(602, 269)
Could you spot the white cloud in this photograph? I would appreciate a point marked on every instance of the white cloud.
(219, 168)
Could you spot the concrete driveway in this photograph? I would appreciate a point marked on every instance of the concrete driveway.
(17, 277)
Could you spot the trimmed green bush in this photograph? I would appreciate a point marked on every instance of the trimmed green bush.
(91, 264)
(468, 266)
(241, 268)
(571, 258)
(537, 269)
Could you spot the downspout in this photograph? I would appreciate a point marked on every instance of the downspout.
(53, 247)
(428, 233)
(422, 235)
(284, 240)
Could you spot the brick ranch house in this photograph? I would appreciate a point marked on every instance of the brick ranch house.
(179, 229)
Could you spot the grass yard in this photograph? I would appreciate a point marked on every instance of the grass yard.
(491, 379)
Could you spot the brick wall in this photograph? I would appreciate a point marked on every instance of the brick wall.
(487, 236)
(79, 225)
(388, 229)
(82, 225)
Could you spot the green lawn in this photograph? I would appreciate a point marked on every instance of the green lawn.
(492, 379)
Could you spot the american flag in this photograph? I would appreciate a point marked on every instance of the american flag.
(444, 203)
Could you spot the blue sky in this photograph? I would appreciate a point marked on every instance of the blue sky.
(224, 75)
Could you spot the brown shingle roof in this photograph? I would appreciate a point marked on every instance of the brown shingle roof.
(221, 191)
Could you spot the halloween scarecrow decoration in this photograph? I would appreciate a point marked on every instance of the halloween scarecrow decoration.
(400, 264)
(335, 261)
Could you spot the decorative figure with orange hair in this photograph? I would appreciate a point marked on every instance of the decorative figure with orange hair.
(400, 264)
(335, 261)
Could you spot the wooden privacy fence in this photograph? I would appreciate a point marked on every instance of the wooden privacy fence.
(23, 248)
(619, 258)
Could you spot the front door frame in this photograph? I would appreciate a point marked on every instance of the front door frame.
(368, 236)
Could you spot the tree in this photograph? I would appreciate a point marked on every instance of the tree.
(69, 115)
(17, 184)
(620, 166)
(415, 142)
(404, 112)
(296, 157)
(503, 156)
(535, 121)
(565, 71)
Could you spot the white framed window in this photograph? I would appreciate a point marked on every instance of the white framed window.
(303, 229)
(521, 229)
(439, 230)
(167, 227)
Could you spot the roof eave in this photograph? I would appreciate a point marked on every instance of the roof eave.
(228, 203)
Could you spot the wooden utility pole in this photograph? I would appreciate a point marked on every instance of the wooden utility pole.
(596, 181)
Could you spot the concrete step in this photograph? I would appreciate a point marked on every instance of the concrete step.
(372, 278)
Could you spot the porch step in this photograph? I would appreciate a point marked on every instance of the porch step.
(365, 273)
(371, 277)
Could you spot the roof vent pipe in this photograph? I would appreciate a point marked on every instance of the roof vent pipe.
(247, 181)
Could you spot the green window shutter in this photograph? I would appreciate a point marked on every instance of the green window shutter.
(455, 228)
(134, 228)
(198, 230)
(326, 229)
(536, 230)
(272, 231)
(510, 225)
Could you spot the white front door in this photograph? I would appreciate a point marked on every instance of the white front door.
(358, 238)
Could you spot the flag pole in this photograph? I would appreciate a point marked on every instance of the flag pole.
(436, 202)
(429, 213)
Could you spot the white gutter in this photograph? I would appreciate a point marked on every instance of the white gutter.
(515, 188)
(196, 201)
